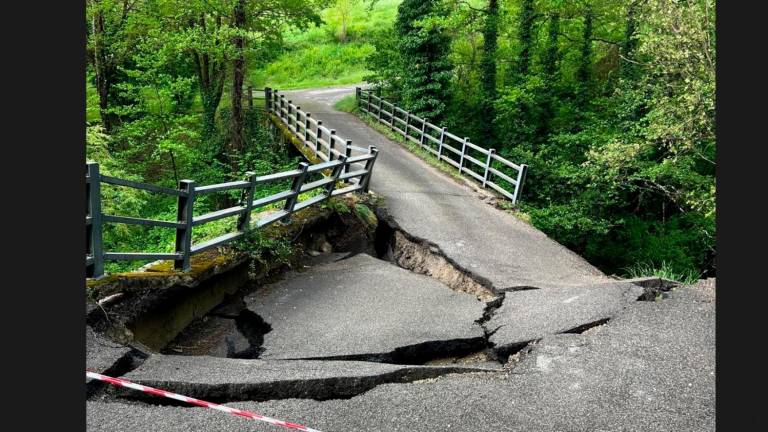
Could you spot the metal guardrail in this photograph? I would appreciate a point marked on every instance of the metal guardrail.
(437, 140)
(188, 190)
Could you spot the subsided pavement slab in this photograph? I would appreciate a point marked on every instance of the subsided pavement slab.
(532, 314)
(429, 205)
(364, 307)
(651, 368)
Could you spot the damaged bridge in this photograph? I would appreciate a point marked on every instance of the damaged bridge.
(436, 310)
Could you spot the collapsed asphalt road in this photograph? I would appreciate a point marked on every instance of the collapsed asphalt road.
(358, 343)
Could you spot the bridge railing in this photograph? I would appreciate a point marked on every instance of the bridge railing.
(338, 182)
(482, 164)
(325, 143)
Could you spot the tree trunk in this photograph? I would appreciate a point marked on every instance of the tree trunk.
(488, 71)
(237, 138)
(527, 17)
(102, 69)
(629, 69)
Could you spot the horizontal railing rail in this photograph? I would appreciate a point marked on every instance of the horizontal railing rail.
(332, 184)
(479, 163)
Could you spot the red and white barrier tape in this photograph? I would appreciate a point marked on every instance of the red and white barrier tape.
(234, 411)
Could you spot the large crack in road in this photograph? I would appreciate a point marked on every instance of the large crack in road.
(421, 326)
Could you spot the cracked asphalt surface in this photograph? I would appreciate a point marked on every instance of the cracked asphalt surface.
(360, 306)
(650, 367)
(430, 205)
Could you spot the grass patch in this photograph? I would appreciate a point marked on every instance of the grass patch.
(346, 104)
(322, 65)
(664, 271)
(318, 58)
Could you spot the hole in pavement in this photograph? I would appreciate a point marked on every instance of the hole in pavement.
(319, 389)
(513, 353)
(128, 362)
(584, 327)
(419, 354)
(519, 288)
(231, 330)
(655, 289)
(420, 256)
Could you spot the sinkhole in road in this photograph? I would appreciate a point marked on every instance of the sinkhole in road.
(232, 330)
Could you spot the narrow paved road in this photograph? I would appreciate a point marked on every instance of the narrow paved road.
(359, 344)
(430, 205)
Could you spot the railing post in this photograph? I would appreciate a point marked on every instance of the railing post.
(331, 144)
(440, 145)
(368, 103)
(423, 131)
(93, 233)
(487, 174)
(407, 125)
(267, 99)
(184, 216)
(298, 182)
(250, 97)
(348, 154)
(318, 148)
(380, 101)
(275, 100)
(307, 127)
(521, 174)
(369, 167)
(246, 199)
(358, 93)
(282, 106)
(392, 117)
(288, 117)
(463, 151)
(335, 175)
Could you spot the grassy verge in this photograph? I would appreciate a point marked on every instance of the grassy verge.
(347, 104)
(318, 57)
(665, 271)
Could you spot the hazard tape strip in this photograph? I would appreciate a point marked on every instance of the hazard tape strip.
(234, 411)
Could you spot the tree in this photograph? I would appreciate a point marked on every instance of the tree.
(584, 71)
(525, 35)
(237, 133)
(424, 48)
(110, 38)
(488, 70)
(344, 9)
(253, 24)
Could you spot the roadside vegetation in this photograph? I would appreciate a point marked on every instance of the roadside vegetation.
(165, 101)
(609, 102)
(332, 53)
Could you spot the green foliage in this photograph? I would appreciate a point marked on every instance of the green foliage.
(610, 103)
(424, 47)
(663, 271)
(263, 249)
(317, 57)
(336, 205)
(366, 215)
(346, 104)
(315, 66)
